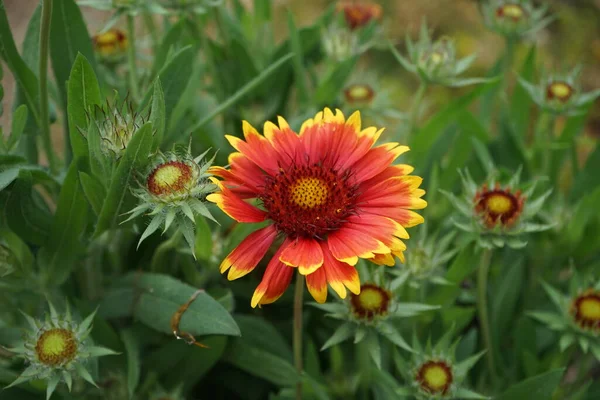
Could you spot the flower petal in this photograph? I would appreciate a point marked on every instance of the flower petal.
(304, 253)
(347, 245)
(340, 275)
(317, 285)
(395, 192)
(275, 281)
(391, 171)
(244, 258)
(234, 206)
(256, 147)
(406, 218)
(285, 142)
(376, 160)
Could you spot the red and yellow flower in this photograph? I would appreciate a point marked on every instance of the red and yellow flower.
(498, 206)
(111, 45)
(328, 193)
(435, 377)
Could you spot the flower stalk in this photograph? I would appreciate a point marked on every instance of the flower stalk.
(298, 295)
(482, 309)
(131, 59)
(43, 76)
(416, 107)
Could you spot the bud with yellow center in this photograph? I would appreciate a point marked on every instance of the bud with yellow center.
(57, 349)
(578, 314)
(499, 216)
(514, 18)
(173, 193)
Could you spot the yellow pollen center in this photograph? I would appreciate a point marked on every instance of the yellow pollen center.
(358, 92)
(309, 192)
(499, 204)
(590, 308)
(370, 299)
(167, 176)
(560, 90)
(513, 11)
(56, 346)
(436, 57)
(435, 377)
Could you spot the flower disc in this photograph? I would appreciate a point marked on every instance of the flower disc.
(56, 347)
(498, 206)
(372, 301)
(560, 91)
(585, 310)
(434, 377)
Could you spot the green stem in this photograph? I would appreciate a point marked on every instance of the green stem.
(151, 26)
(416, 106)
(544, 136)
(43, 76)
(298, 293)
(131, 59)
(482, 309)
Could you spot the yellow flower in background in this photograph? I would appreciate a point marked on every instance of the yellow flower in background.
(111, 45)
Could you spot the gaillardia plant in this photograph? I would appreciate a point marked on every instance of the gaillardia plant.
(57, 349)
(497, 214)
(369, 316)
(560, 93)
(578, 317)
(358, 15)
(327, 192)
(433, 372)
(514, 18)
(173, 191)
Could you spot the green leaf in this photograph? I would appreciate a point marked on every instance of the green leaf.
(261, 334)
(99, 162)
(462, 266)
(506, 295)
(18, 125)
(195, 362)
(429, 133)
(26, 213)
(247, 88)
(24, 77)
(332, 84)
(68, 38)
(342, 333)
(83, 93)
(134, 159)
(174, 77)
(157, 113)
(93, 190)
(520, 100)
(132, 349)
(154, 298)
(539, 387)
(261, 363)
(168, 44)
(297, 60)
(204, 242)
(60, 252)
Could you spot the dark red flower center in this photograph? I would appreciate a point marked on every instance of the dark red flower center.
(434, 377)
(560, 91)
(585, 310)
(498, 206)
(372, 301)
(169, 178)
(512, 11)
(308, 201)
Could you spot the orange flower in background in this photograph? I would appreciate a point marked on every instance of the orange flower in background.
(328, 193)
(359, 14)
(112, 43)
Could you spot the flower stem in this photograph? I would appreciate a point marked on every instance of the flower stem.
(416, 106)
(482, 309)
(43, 76)
(133, 80)
(298, 293)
